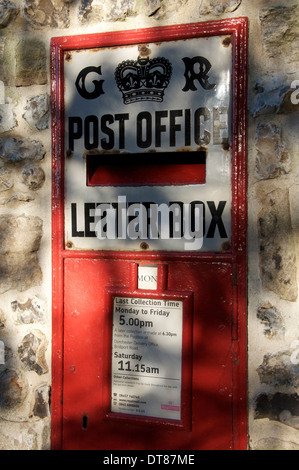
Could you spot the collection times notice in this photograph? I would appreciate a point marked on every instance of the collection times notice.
(146, 357)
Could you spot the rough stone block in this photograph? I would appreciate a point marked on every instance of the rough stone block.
(159, 9)
(13, 388)
(19, 271)
(115, 10)
(8, 11)
(19, 242)
(4, 68)
(6, 179)
(6, 353)
(20, 174)
(32, 352)
(272, 158)
(218, 7)
(273, 95)
(276, 246)
(31, 63)
(15, 197)
(8, 119)
(37, 112)
(277, 369)
(33, 176)
(20, 234)
(16, 150)
(46, 13)
(31, 311)
(281, 407)
(280, 31)
(19, 436)
(41, 405)
(272, 319)
(153, 6)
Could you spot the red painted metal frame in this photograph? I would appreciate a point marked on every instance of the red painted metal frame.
(238, 28)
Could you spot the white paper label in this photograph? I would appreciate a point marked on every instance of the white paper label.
(147, 357)
(147, 277)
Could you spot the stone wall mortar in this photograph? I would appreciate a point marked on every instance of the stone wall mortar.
(25, 187)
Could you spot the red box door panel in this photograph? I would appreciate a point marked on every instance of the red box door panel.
(85, 353)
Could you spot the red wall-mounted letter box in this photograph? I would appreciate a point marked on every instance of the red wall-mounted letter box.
(149, 238)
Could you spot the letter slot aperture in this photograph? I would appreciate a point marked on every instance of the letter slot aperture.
(168, 168)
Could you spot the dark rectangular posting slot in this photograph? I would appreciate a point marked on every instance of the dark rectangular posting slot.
(146, 169)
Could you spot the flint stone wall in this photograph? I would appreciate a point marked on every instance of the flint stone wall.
(25, 210)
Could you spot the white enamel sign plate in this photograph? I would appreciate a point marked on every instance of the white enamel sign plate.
(182, 100)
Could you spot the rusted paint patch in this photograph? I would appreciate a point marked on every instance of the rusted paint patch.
(144, 246)
(226, 146)
(226, 246)
(68, 56)
(227, 41)
(144, 50)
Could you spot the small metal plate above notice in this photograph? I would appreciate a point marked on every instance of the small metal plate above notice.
(147, 277)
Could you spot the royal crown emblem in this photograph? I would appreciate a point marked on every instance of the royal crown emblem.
(143, 79)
